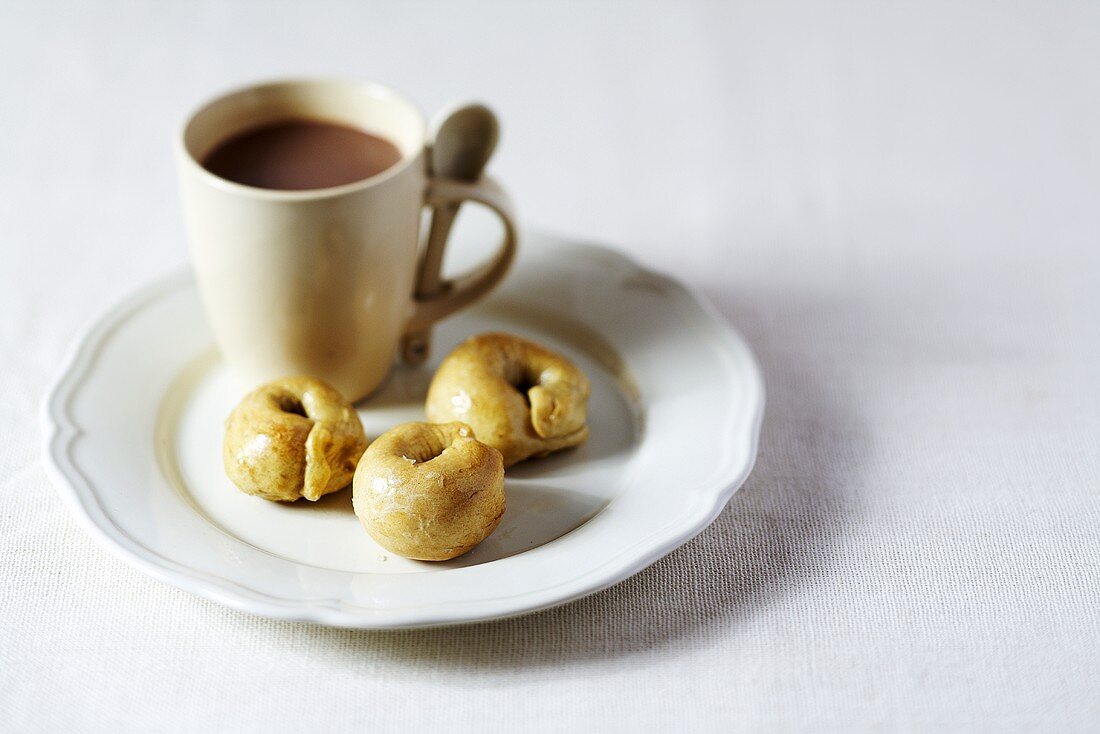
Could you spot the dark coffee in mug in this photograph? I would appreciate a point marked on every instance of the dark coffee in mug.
(300, 154)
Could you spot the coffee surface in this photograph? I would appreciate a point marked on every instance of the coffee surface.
(301, 154)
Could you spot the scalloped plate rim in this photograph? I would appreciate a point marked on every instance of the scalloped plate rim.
(60, 432)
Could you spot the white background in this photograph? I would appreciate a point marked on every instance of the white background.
(897, 203)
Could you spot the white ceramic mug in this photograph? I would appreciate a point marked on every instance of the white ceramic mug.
(320, 282)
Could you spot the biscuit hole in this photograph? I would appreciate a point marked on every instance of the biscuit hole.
(423, 452)
(292, 405)
(523, 386)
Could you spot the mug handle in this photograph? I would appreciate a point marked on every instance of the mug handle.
(445, 195)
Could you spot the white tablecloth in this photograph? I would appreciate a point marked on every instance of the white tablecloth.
(897, 203)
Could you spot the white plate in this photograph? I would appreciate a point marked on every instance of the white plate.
(134, 426)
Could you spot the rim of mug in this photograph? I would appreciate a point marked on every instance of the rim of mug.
(381, 90)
